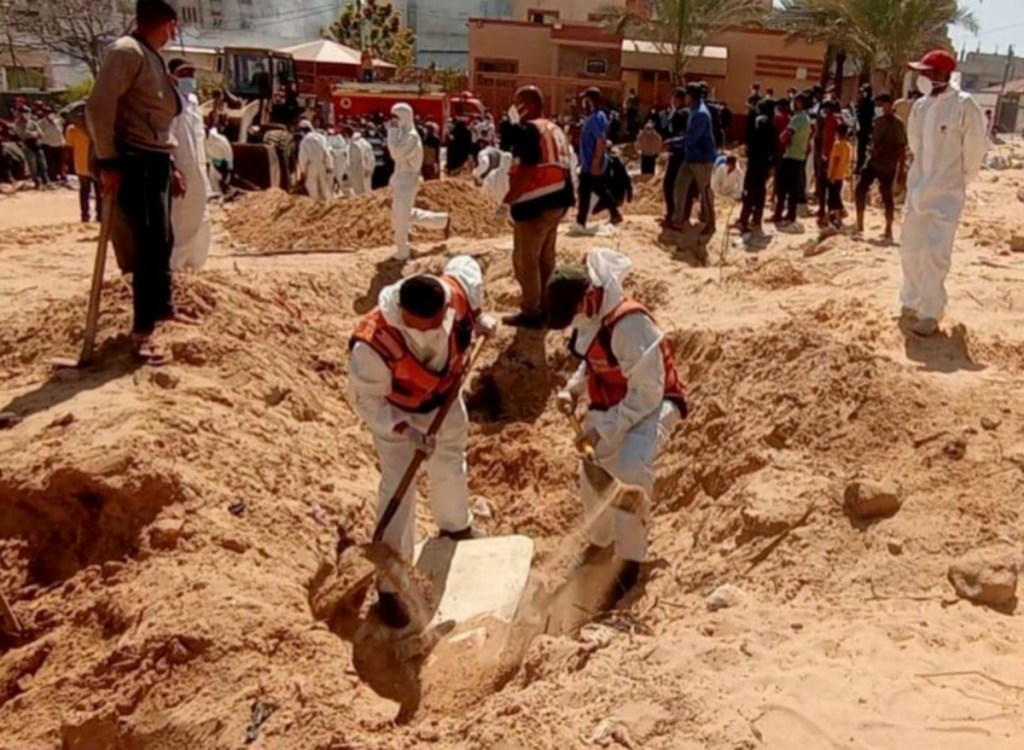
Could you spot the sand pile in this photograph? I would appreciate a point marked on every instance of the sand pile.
(164, 531)
(648, 197)
(274, 221)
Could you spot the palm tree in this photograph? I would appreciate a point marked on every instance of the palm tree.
(878, 33)
(813, 21)
(679, 28)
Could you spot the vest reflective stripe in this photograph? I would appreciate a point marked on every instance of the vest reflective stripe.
(551, 175)
(606, 384)
(414, 387)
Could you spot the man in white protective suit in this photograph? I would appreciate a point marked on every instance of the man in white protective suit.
(339, 153)
(190, 218)
(946, 135)
(406, 150)
(361, 161)
(406, 356)
(316, 164)
(635, 396)
(491, 172)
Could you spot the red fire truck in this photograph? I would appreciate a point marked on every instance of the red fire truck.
(369, 99)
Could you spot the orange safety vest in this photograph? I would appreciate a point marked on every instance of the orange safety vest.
(414, 387)
(529, 183)
(606, 385)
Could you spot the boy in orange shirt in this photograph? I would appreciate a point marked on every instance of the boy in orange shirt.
(839, 164)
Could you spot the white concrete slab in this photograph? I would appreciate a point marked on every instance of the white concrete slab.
(482, 577)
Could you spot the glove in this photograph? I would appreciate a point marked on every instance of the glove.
(421, 441)
(486, 325)
(566, 402)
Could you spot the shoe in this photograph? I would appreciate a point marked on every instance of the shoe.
(468, 534)
(888, 239)
(578, 229)
(926, 327)
(522, 320)
(391, 611)
(617, 219)
(758, 233)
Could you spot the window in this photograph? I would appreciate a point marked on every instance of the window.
(190, 14)
(546, 17)
(596, 66)
(497, 66)
(25, 78)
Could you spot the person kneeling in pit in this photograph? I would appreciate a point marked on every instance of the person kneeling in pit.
(635, 395)
(406, 357)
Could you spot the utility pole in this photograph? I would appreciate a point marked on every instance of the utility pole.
(1002, 91)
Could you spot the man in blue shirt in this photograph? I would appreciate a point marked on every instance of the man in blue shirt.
(594, 160)
(700, 153)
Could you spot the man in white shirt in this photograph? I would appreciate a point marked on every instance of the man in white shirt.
(189, 216)
(406, 357)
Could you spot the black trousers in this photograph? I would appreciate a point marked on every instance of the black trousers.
(790, 182)
(862, 151)
(755, 195)
(145, 198)
(835, 195)
(886, 181)
(648, 163)
(591, 184)
(675, 163)
(88, 186)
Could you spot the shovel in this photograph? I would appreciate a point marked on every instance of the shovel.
(390, 566)
(92, 316)
(614, 493)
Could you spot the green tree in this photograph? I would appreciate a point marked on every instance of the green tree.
(377, 27)
(812, 21)
(887, 34)
(679, 28)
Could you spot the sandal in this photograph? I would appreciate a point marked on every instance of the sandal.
(148, 352)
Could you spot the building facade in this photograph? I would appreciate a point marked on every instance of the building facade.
(982, 70)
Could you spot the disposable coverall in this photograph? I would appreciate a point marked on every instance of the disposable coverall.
(631, 432)
(406, 149)
(496, 181)
(361, 165)
(487, 161)
(339, 152)
(316, 163)
(370, 384)
(189, 216)
(726, 183)
(221, 156)
(946, 135)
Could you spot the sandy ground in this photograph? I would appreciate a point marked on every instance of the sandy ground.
(163, 532)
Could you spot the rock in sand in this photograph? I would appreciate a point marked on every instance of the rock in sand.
(987, 576)
(867, 500)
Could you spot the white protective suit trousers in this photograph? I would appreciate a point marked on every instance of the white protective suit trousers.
(926, 252)
(446, 470)
(319, 185)
(404, 214)
(632, 463)
(190, 220)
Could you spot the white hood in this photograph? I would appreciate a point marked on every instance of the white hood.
(405, 116)
(608, 270)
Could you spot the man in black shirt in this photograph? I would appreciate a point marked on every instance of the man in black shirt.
(762, 152)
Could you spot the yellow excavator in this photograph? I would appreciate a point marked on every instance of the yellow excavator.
(257, 113)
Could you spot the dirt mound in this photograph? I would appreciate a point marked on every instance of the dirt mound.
(274, 221)
(648, 197)
(772, 275)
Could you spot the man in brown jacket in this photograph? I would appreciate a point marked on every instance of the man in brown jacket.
(129, 112)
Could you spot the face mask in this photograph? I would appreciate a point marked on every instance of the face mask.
(879, 112)
(513, 115)
(925, 85)
(187, 85)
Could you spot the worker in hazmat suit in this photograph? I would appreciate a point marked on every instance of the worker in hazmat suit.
(635, 396)
(222, 162)
(361, 161)
(406, 150)
(406, 356)
(496, 182)
(316, 164)
(946, 134)
(339, 152)
(190, 219)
